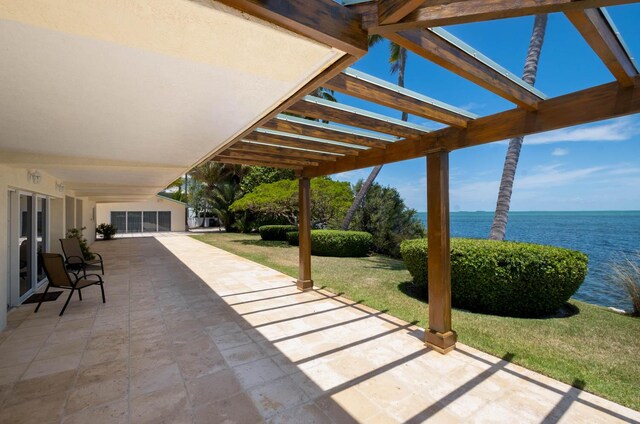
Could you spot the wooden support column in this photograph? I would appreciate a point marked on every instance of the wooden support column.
(439, 336)
(304, 234)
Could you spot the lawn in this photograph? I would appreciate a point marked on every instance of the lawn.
(595, 349)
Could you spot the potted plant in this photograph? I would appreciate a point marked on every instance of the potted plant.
(107, 231)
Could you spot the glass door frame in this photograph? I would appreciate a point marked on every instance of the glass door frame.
(46, 234)
(14, 231)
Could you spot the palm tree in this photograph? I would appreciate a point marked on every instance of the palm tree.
(499, 226)
(221, 187)
(398, 61)
(222, 195)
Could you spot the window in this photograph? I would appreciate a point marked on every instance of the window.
(164, 221)
(134, 222)
(138, 222)
(119, 220)
(150, 221)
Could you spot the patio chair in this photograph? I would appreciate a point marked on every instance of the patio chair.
(56, 272)
(74, 258)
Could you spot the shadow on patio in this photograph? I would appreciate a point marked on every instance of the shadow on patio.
(191, 333)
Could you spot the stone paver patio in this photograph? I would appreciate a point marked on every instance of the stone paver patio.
(191, 333)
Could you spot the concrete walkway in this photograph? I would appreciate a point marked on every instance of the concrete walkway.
(191, 333)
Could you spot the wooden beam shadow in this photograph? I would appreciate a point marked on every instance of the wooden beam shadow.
(460, 391)
(292, 318)
(327, 327)
(551, 388)
(285, 306)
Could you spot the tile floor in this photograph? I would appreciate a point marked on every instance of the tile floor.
(192, 334)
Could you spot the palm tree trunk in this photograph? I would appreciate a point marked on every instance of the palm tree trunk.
(402, 61)
(499, 226)
(360, 197)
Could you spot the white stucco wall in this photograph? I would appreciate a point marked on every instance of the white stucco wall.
(156, 203)
(14, 178)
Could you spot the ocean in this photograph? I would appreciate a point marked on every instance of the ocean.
(603, 236)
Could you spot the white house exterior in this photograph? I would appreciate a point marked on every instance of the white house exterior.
(157, 214)
(109, 102)
(38, 210)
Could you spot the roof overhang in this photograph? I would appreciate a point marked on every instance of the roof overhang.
(121, 98)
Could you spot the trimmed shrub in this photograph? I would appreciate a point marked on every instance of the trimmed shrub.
(340, 243)
(276, 232)
(504, 278)
(292, 238)
(336, 243)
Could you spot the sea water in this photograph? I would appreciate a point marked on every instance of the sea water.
(604, 236)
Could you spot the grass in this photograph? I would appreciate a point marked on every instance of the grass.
(594, 349)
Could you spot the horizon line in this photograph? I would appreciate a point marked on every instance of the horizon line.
(550, 211)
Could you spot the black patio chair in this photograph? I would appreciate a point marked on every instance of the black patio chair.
(56, 272)
(74, 258)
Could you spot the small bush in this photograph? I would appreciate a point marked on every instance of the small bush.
(340, 243)
(336, 243)
(292, 238)
(504, 278)
(106, 230)
(276, 232)
(626, 273)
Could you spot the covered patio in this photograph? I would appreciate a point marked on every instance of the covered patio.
(191, 333)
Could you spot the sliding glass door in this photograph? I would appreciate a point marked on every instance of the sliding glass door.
(25, 242)
(27, 232)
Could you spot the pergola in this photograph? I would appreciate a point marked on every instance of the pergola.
(315, 149)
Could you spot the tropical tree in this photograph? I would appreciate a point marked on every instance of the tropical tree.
(385, 216)
(178, 194)
(258, 175)
(219, 188)
(222, 196)
(499, 226)
(398, 61)
(278, 201)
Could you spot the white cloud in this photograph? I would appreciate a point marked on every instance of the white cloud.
(560, 152)
(536, 188)
(352, 176)
(471, 106)
(552, 175)
(625, 171)
(618, 130)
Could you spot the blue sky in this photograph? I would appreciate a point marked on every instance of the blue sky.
(589, 167)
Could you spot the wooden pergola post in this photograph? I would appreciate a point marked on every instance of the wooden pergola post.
(304, 234)
(439, 336)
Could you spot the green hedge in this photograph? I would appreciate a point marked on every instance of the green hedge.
(292, 238)
(336, 243)
(504, 278)
(340, 243)
(276, 232)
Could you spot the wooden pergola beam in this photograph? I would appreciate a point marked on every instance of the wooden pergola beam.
(370, 89)
(391, 11)
(236, 161)
(284, 160)
(593, 104)
(293, 141)
(326, 22)
(445, 50)
(348, 115)
(324, 131)
(253, 148)
(436, 13)
(598, 32)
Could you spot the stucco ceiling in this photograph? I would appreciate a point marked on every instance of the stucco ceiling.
(134, 93)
